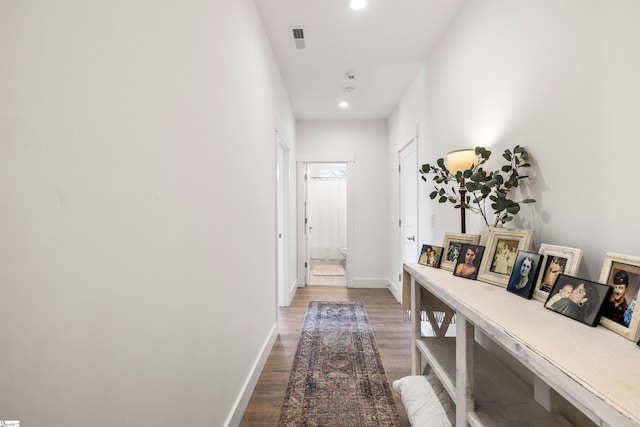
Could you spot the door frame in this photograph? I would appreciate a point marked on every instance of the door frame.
(283, 177)
(303, 159)
(401, 194)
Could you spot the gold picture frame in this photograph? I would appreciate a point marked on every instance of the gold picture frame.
(557, 260)
(453, 241)
(631, 266)
(500, 254)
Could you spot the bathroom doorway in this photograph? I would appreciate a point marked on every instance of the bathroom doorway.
(326, 204)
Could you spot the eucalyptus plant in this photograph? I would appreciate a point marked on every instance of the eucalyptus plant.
(496, 186)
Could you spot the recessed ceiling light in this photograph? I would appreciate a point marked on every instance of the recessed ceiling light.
(358, 4)
(343, 104)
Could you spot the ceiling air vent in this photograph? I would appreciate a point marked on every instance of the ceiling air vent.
(297, 37)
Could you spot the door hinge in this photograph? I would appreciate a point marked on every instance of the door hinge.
(399, 277)
(305, 265)
(305, 176)
(399, 169)
(399, 223)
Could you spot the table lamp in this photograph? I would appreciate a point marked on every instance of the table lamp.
(460, 161)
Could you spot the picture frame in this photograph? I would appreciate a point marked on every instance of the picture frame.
(579, 299)
(430, 256)
(629, 325)
(452, 245)
(502, 247)
(524, 275)
(557, 260)
(469, 266)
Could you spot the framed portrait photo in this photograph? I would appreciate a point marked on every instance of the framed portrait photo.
(580, 299)
(503, 245)
(468, 262)
(557, 260)
(452, 246)
(621, 273)
(430, 256)
(524, 274)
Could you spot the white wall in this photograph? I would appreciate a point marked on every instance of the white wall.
(559, 78)
(138, 148)
(367, 141)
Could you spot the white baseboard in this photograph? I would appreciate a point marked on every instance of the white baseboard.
(360, 282)
(292, 291)
(396, 291)
(240, 405)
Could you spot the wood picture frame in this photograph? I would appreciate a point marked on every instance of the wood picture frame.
(430, 256)
(579, 299)
(610, 275)
(557, 260)
(452, 245)
(502, 246)
(525, 274)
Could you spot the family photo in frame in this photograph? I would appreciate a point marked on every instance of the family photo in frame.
(622, 274)
(452, 246)
(579, 299)
(430, 256)
(469, 261)
(525, 274)
(557, 260)
(500, 244)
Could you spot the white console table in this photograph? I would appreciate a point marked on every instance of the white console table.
(594, 369)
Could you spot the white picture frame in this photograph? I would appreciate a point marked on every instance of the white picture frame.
(458, 239)
(556, 260)
(500, 254)
(631, 265)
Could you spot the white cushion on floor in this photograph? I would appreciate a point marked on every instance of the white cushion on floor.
(426, 405)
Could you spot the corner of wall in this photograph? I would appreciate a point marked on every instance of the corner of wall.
(243, 398)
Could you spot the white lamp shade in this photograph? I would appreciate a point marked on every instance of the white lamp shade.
(461, 160)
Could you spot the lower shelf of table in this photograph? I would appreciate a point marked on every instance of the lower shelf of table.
(501, 398)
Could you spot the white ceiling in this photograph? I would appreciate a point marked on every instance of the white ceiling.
(384, 45)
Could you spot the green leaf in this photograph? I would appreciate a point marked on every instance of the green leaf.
(513, 210)
(441, 163)
(519, 149)
(426, 168)
(528, 201)
(453, 199)
(442, 199)
(433, 194)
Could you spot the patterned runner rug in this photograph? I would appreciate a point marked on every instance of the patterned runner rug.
(337, 377)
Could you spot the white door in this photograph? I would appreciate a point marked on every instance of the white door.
(408, 168)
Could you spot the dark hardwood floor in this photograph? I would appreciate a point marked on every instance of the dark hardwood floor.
(392, 333)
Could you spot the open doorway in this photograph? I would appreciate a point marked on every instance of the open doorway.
(327, 223)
